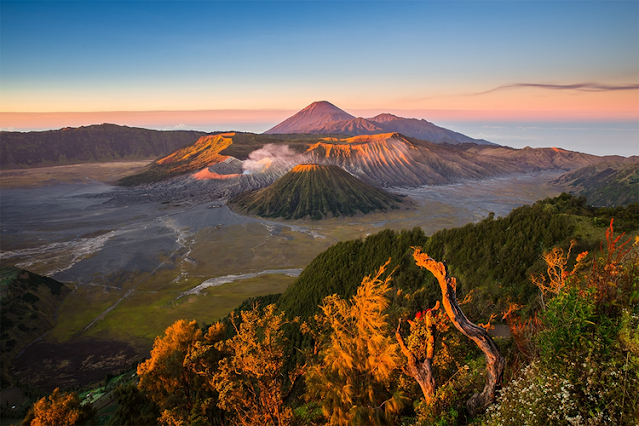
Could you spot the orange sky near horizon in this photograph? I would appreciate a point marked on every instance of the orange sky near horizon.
(520, 104)
(489, 69)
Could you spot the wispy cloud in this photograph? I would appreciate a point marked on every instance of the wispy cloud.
(583, 87)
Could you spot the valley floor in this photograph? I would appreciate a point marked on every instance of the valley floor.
(132, 266)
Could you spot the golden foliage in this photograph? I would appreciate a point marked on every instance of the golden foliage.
(556, 273)
(250, 381)
(166, 378)
(58, 409)
(358, 362)
(610, 274)
(615, 270)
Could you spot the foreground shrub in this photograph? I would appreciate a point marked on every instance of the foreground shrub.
(587, 366)
(59, 409)
(356, 374)
(251, 381)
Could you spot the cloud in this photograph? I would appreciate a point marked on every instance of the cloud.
(583, 87)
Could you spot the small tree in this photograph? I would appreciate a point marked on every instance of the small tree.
(425, 333)
(495, 363)
(59, 409)
(353, 377)
(134, 407)
(251, 380)
(168, 380)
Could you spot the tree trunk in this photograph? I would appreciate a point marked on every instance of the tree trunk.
(421, 372)
(495, 363)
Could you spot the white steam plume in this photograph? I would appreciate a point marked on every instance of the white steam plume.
(261, 158)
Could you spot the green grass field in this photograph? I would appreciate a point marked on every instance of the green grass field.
(146, 314)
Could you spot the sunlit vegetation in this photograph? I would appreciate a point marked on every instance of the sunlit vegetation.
(59, 409)
(171, 384)
(354, 374)
(584, 364)
(251, 381)
(350, 343)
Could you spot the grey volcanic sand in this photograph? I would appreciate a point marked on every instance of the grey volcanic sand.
(474, 200)
(77, 232)
(64, 231)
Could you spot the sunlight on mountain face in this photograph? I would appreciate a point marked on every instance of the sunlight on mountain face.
(205, 150)
(384, 149)
(207, 174)
(301, 168)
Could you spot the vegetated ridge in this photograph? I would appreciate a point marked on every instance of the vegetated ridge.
(29, 304)
(605, 184)
(325, 118)
(89, 144)
(316, 192)
(494, 257)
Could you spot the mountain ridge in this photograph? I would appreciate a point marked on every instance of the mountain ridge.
(609, 183)
(320, 118)
(89, 144)
(29, 308)
(382, 160)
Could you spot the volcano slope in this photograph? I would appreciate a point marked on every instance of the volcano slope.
(214, 168)
(388, 159)
(605, 184)
(316, 192)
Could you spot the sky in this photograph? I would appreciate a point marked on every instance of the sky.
(518, 73)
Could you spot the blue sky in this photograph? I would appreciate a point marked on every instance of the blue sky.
(365, 55)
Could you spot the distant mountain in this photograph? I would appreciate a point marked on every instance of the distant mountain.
(422, 129)
(29, 304)
(606, 184)
(89, 144)
(316, 191)
(538, 159)
(324, 118)
(314, 116)
(353, 127)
